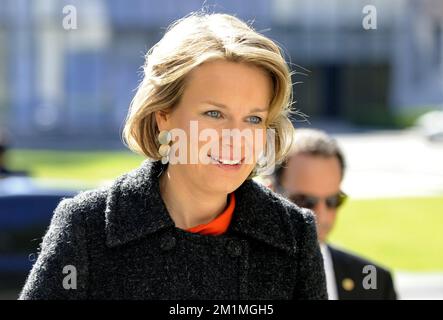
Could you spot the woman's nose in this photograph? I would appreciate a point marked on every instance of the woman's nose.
(237, 123)
(233, 131)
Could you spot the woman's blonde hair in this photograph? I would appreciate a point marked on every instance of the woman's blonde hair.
(188, 42)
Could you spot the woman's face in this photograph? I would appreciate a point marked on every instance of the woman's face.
(220, 96)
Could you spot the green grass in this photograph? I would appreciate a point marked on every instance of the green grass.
(377, 116)
(86, 168)
(401, 234)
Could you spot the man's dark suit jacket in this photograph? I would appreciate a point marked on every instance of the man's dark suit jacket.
(348, 269)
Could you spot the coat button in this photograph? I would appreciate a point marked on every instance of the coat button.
(167, 243)
(234, 249)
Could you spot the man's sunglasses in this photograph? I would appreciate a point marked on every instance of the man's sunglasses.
(310, 202)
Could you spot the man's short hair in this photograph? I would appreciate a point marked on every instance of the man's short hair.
(312, 142)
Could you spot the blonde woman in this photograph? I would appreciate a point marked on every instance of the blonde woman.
(190, 223)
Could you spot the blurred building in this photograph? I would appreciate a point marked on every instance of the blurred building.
(366, 76)
(69, 83)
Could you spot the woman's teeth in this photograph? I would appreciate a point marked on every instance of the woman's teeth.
(228, 162)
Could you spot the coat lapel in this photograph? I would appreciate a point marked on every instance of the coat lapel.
(261, 216)
(134, 208)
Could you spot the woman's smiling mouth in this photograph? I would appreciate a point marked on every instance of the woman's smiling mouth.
(226, 163)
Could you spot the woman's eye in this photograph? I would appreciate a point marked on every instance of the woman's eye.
(255, 120)
(213, 114)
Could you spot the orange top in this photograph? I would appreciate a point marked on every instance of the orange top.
(220, 224)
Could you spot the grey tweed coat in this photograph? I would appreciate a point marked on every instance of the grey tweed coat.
(124, 245)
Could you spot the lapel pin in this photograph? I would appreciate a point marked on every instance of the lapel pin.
(348, 284)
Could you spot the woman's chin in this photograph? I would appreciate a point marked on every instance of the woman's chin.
(224, 182)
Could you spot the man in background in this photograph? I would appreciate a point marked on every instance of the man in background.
(311, 178)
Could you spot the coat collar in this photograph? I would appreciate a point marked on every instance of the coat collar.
(134, 208)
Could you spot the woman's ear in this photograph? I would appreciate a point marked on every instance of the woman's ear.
(162, 119)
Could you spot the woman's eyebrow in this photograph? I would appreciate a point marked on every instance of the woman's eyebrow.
(259, 110)
(221, 105)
